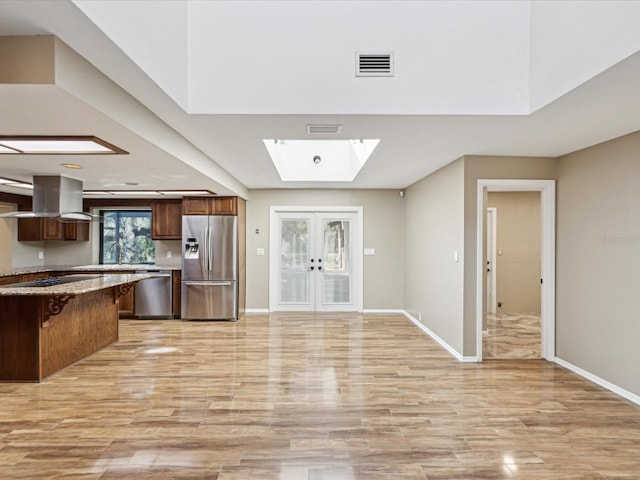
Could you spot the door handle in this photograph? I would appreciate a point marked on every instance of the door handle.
(319, 267)
(311, 267)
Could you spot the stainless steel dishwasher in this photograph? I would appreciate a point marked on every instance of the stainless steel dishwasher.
(153, 295)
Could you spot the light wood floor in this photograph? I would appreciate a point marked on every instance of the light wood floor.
(308, 397)
(514, 336)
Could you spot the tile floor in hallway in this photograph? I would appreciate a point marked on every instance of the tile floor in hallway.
(513, 336)
(310, 397)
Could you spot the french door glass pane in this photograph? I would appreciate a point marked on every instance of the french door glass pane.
(336, 261)
(294, 260)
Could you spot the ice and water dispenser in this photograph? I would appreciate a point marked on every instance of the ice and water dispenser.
(191, 249)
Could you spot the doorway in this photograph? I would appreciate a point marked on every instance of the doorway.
(512, 328)
(315, 262)
(547, 258)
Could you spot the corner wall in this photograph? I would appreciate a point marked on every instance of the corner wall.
(434, 229)
(598, 261)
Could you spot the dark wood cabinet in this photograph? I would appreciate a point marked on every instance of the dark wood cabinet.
(166, 220)
(38, 229)
(29, 229)
(209, 206)
(197, 205)
(176, 293)
(52, 229)
(225, 206)
(127, 304)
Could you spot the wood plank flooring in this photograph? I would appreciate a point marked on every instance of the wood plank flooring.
(310, 397)
(514, 336)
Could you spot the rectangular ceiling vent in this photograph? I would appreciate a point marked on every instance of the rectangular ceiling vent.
(323, 129)
(374, 64)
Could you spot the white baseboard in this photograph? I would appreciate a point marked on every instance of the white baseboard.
(439, 340)
(632, 397)
(384, 311)
(256, 310)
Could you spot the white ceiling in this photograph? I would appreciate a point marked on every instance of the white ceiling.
(472, 78)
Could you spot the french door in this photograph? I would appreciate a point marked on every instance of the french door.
(314, 262)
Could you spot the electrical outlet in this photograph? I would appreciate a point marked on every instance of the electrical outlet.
(169, 254)
(40, 255)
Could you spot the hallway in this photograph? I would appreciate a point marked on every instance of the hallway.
(292, 396)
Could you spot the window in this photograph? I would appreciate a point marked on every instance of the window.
(125, 237)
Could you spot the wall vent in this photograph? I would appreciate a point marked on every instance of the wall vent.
(323, 129)
(374, 64)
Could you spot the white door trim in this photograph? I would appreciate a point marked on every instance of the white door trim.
(547, 189)
(492, 232)
(358, 243)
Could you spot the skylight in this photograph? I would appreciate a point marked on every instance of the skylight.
(319, 160)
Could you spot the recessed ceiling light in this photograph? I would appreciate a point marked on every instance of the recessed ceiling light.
(26, 186)
(133, 192)
(186, 192)
(96, 192)
(56, 145)
(73, 166)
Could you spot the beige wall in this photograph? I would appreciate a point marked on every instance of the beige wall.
(6, 236)
(14, 254)
(598, 261)
(434, 226)
(518, 245)
(383, 230)
(486, 167)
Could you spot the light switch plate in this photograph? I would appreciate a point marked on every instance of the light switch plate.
(369, 251)
(260, 252)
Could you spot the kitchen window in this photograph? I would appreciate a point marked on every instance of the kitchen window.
(125, 237)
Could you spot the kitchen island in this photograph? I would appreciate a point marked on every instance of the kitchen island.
(46, 328)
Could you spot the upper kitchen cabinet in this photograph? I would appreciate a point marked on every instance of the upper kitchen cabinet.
(38, 229)
(210, 206)
(166, 220)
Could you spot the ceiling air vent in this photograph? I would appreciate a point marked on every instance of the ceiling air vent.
(374, 64)
(324, 129)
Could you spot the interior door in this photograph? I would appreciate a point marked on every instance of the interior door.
(315, 267)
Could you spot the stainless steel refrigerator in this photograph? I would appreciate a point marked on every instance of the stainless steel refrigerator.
(209, 267)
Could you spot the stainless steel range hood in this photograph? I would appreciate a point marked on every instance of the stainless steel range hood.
(55, 196)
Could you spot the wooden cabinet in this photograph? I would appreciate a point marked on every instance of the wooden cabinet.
(166, 220)
(38, 229)
(225, 206)
(209, 206)
(176, 293)
(127, 304)
(197, 205)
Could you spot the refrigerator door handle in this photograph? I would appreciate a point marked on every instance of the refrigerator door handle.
(210, 249)
(205, 248)
(213, 284)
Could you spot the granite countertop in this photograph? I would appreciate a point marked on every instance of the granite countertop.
(96, 267)
(78, 287)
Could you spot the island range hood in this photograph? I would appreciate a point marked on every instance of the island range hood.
(55, 196)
